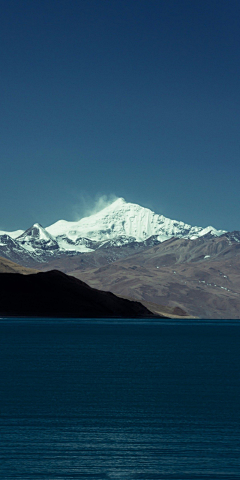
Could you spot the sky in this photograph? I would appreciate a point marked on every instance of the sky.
(119, 98)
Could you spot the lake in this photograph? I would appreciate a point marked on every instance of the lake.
(119, 399)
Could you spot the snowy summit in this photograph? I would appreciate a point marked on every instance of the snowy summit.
(120, 223)
(129, 220)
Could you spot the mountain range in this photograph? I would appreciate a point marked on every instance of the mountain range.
(117, 225)
(135, 253)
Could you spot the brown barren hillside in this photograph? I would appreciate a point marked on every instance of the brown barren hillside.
(201, 277)
(6, 266)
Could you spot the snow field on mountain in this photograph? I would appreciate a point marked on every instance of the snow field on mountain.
(125, 219)
(14, 234)
(121, 223)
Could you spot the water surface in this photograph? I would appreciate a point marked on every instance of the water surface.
(101, 399)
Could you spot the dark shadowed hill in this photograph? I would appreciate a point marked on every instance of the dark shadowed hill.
(54, 294)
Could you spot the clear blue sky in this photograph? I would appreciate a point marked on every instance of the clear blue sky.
(133, 98)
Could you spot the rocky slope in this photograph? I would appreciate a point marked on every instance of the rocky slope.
(200, 276)
(6, 266)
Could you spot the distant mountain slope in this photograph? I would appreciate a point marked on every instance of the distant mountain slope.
(117, 225)
(6, 266)
(54, 294)
(200, 276)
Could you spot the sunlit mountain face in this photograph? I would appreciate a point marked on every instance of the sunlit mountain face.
(118, 224)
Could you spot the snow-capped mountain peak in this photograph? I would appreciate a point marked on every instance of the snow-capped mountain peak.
(37, 232)
(126, 219)
(118, 224)
(37, 237)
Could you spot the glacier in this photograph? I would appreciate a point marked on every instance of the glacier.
(126, 219)
(116, 225)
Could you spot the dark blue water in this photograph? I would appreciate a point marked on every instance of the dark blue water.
(119, 400)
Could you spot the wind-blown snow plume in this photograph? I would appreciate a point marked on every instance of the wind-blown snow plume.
(87, 206)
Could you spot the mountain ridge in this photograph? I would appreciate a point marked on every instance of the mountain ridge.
(200, 276)
(54, 294)
(136, 253)
(120, 223)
